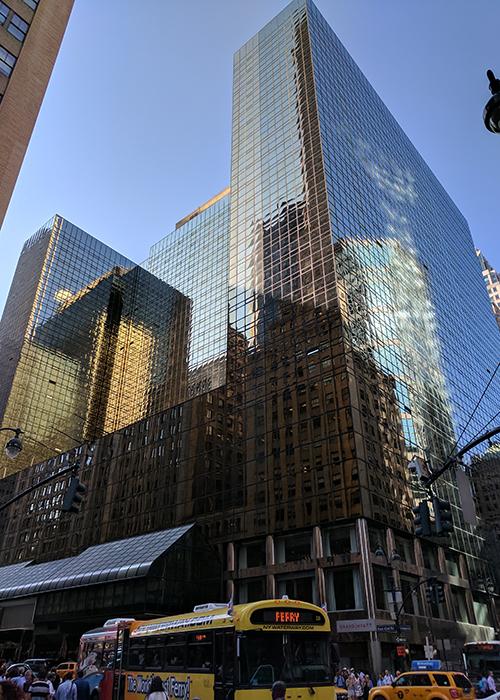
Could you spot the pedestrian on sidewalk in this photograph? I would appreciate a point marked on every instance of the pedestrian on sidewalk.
(41, 688)
(82, 687)
(490, 681)
(67, 689)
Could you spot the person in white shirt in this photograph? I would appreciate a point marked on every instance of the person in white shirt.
(490, 681)
(66, 689)
(388, 678)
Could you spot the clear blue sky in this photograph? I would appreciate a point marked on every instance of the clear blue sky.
(134, 131)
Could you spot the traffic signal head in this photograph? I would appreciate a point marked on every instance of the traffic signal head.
(429, 590)
(443, 521)
(440, 592)
(422, 520)
(74, 496)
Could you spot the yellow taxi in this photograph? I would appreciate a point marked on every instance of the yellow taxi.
(426, 685)
(67, 667)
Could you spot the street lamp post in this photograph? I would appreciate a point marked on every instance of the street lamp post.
(491, 114)
(13, 446)
(380, 552)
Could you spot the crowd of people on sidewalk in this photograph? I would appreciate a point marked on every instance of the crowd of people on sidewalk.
(19, 683)
(359, 684)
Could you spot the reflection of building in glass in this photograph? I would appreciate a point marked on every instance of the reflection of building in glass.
(355, 314)
(30, 36)
(97, 354)
(193, 259)
(492, 280)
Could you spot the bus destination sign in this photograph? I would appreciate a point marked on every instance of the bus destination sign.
(286, 616)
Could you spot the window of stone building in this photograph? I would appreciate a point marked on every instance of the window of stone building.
(459, 604)
(381, 584)
(405, 549)
(410, 595)
(340, 540)
(376, 536)
(293, 548)
(299, 587)
(252, 554)
(452, 563)
(251, 589)
(430, 556)
(343, 589)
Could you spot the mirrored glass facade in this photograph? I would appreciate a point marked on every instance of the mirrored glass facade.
(89, 343)
(194, 259)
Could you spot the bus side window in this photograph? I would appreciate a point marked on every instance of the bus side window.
(224, 657)
(175, 652)
(229, 657)
(137, 653)
(200, 651)
(154, 653)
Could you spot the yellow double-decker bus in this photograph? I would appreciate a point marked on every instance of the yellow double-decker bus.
(221, 652)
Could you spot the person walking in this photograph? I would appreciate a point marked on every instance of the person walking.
(67, 689)
(353, 686)
(490, 682)
(367, 685)
(388, 678)
(278, 690)
(340, 679)
(82, 687)
(156, 689)
(380, 680)
(41, 688)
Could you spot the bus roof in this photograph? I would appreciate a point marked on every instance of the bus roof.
(483, 643)
(240, 618)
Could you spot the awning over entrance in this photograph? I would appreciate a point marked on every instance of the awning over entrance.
(113, 561)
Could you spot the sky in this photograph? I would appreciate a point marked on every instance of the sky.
(135, 128)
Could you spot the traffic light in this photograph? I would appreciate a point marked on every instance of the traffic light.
(74, 496)
(439, 588)
(422, 519)
(429, 590)
(443, 522)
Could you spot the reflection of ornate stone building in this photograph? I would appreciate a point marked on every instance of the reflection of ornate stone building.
(492, 281)
(342, 359)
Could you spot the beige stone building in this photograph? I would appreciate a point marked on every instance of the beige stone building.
(31, 32)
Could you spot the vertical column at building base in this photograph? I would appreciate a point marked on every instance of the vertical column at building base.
(375, 649)
(270, 581)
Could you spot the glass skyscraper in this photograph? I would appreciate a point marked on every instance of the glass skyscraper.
(89, 343)
(337, 326)
(194, 259)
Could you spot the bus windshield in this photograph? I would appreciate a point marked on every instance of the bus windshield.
(295, 658)
(479, 662)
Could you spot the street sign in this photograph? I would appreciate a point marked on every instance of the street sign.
(401, 640)
(426, 665)
(393, 628)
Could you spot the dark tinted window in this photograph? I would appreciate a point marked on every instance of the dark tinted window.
(461, 681)
(420, 679)
(442, 679)
(200, 653)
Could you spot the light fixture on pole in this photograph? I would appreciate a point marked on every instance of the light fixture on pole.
(13, 446)
(491, 114)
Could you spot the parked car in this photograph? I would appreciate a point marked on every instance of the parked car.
(67, 667)
(37, 665)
